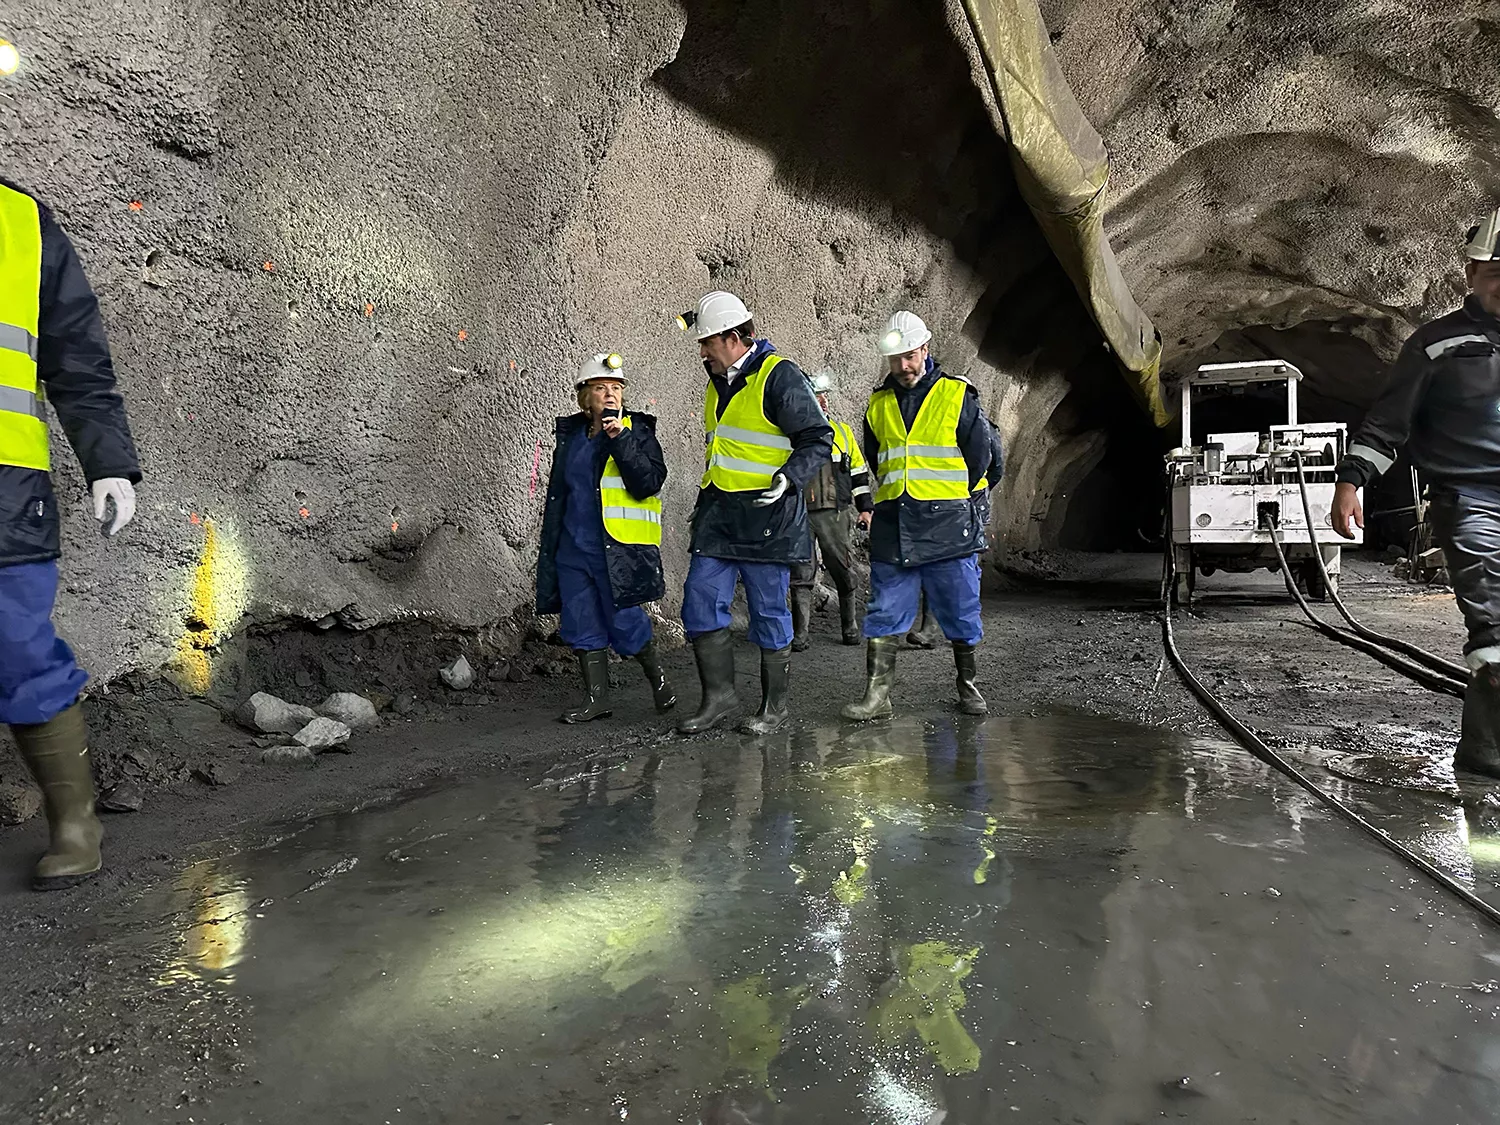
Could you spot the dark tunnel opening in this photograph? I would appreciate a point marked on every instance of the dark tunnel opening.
(1114, 501)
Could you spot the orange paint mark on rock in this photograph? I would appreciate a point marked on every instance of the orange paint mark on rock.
(269, 267)
(194, 518)
(512, 365)
(463, 335)
(303, 512)
(369, 308)
(136, 205)
(395, 526)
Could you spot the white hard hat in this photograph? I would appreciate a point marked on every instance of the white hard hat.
(904, 333)
(600, 367)
(1484, 240)
(716, 312)
(821, 382)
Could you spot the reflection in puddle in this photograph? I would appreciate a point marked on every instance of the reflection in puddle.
(217, 901)
(959, 922)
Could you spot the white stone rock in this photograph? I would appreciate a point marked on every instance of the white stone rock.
(352, 710)
(322, 734)
(266, 714)
(459, 675)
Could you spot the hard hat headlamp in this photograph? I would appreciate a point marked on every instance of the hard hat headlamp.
(892, 340)
(10, 57)
(614, 361)
(687, 319)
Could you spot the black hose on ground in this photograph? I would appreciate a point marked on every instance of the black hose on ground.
(1424, 676)
(1253, 743)
(1431, 660)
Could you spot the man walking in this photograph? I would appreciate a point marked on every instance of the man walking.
(52, 350)
(1442, 403)
(839, 490)
(765, 439)
(931, 446)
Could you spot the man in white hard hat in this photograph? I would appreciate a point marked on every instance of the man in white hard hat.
(765, 439)
(839, 490)
(53, 352)
(931, 445)
(1442, 403)
(600, 557)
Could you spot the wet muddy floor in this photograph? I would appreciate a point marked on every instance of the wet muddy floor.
(1054, 918)
(1087, 908)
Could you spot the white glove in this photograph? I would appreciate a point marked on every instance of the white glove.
(122, 492)
(774, 493)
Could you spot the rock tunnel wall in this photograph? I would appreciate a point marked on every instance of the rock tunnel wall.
(374, 238)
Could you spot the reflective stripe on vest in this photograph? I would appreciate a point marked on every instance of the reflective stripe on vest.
(843, 443)
(23, 416)
(744, 447)
(926, 463)
(626, 519)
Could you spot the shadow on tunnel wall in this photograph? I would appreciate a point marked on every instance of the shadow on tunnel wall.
(874, 103)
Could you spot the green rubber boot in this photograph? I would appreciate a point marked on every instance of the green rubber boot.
(775, 690)
(880, 671)
(57, 753)
(661, 690)
(1479, 738)
(715, 655)
(966, 662)
(593, 664)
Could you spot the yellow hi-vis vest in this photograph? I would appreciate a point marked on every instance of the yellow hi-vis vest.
(926, 463)
(744, 447)
(626, 519)
(23, 415)
(846, 446)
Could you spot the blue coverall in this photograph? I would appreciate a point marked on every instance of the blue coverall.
(590, 620)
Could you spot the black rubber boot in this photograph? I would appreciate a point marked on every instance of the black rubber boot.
(925, 633)
(715, 654)
(880, 670)
(849, 616)
(775, 690)
(594, 665)
(661, 691)
(57, 753)
(965, 660)
(802, 597)
(1479, 740)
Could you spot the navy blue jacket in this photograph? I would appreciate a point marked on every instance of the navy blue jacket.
(908, 532)
(74, 366)
(726, 525)
(635, 573)
(1441, 403)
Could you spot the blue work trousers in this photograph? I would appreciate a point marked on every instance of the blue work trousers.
(709, 592)
(590, 620)
(39, 679)
(952, 589)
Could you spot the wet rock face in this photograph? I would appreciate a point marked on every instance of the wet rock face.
(371, 245)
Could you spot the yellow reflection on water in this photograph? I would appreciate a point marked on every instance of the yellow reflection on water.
(215, 940)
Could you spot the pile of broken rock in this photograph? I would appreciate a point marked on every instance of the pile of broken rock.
(289, 732)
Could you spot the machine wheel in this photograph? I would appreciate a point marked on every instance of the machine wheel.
(1310, 581)
(1185, 581)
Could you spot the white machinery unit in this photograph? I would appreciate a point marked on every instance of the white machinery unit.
(1229, 492)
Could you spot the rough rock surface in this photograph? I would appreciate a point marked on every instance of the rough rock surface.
(322, 734)
(372, 242)
(266, 714)
(352, 710)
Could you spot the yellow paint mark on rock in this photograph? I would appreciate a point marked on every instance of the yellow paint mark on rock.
(217, 597)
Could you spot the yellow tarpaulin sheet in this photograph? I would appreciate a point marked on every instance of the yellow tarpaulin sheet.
(1062, 168)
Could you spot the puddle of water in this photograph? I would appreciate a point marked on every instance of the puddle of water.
(1024, 919)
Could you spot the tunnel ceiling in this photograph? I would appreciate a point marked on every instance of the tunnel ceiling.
(372, 240)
